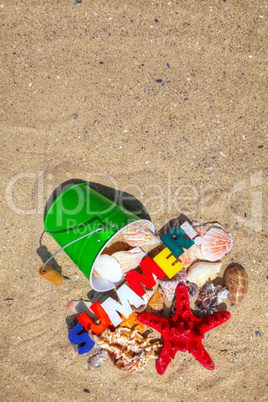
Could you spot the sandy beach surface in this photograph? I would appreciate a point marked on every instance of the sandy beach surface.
(164, 100)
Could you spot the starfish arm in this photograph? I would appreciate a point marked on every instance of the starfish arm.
(182, 303)
(199, 352)
(163, 360)
(214, 320)
(160, 324)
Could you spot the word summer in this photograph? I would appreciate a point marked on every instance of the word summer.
(165, 263)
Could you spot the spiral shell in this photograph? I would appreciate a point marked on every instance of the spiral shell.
(216, 244)
(128, 349)
(129, 259)
(236, 280)
(137, 236)
(200, 272)
(108, 268)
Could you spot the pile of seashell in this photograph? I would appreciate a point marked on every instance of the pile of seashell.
(127, 346)
(113, 267)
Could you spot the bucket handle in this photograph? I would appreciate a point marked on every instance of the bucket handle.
(82, 237)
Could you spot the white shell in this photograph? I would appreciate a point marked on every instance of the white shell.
(108, 268)
(137, 236)
(129, 259)
(200, 272)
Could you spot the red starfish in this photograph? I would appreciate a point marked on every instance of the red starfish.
(184, 331)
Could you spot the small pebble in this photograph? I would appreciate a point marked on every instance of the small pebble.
(186, 99)
(87, 391)
(168, 65)
(75, 116)
(257, 333)
(9, 301)
(159, 80)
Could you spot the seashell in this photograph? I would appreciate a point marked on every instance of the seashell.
(131, 322)
(108, 268)
(156, 302)
(200, 272)
(202, 228)
(209, 299)
(190, 255)
(150, 238)
(216, 244)
(129, 259)
(127, 348)
(137, 236)
(169, 286)
(97, 359)
(236, 280)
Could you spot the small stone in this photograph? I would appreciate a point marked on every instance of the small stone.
(257, 333)
(87, 391)
(159, 80)
(9, 301)
(75, 116)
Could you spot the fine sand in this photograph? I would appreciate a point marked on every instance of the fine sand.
(162, 100)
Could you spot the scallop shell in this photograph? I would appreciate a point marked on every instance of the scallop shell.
(202, 228)
(200, 272)
(236, 280)
(137, 236)
(216, 244)
(108, 268)
(129, 259)
(169, 286)
(127, 348)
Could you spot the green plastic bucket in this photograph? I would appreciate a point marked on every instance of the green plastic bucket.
(78, 211)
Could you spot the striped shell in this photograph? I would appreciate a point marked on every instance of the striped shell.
(137, 236)
(129, 259)
(216, 244)
(236, 280)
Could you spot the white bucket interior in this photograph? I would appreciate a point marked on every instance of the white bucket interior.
(103, 285)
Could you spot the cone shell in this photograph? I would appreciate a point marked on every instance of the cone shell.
(108, 268)
(216, 244)
(137, 236)
(129, 259)
(200, 272)
(236, 280)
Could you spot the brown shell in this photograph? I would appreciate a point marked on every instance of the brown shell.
(157, 301)
(236, 280)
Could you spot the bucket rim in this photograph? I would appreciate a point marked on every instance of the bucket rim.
(114, 284)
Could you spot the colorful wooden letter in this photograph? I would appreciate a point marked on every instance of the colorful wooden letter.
(169, 264)
(77, 337)
(135, 279)
(88, 324)
(126, 296)
(175, 239)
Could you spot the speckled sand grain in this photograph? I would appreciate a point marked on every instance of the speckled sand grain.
(82, 98)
